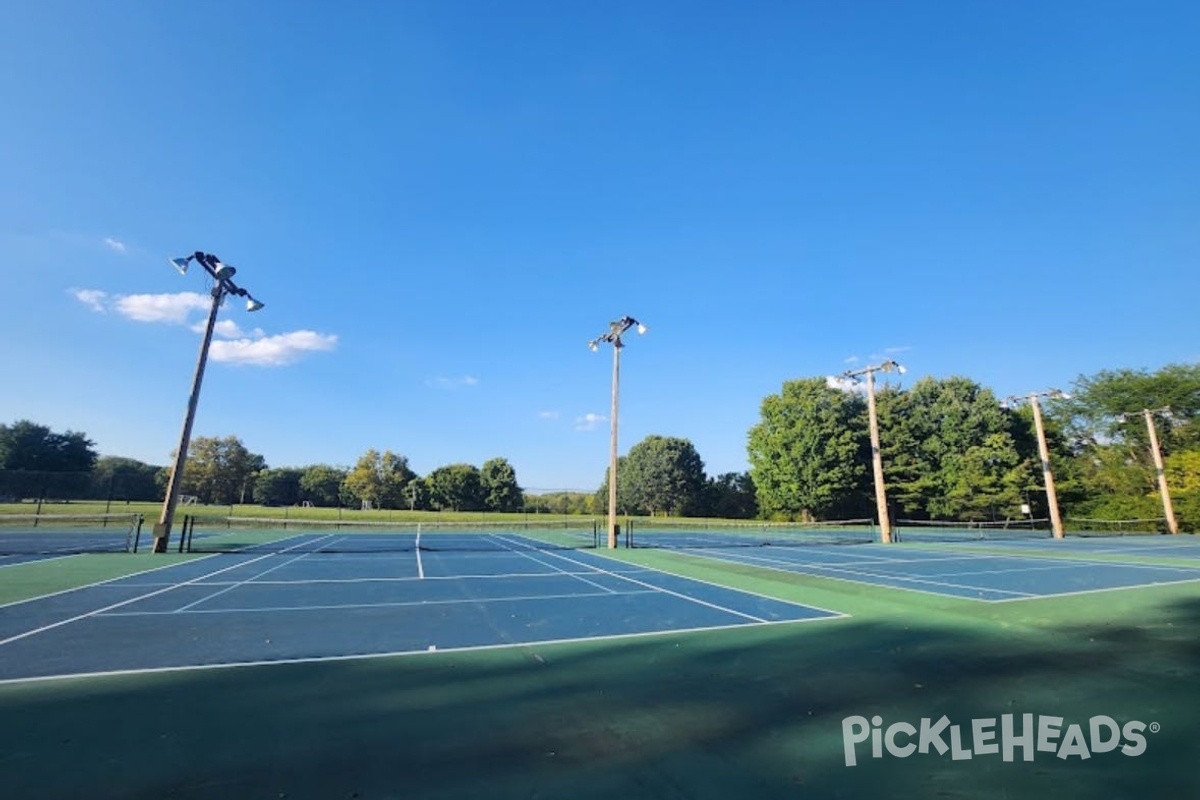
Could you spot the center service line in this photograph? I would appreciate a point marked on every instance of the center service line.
(243, 582)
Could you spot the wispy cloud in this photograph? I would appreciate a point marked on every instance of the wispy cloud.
(271, 351)
(114, 245)
(443, 382)
(589, 422)
(891, 351)
(548, 415)
(92, 298)
(850, 360)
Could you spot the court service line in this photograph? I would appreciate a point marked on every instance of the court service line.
(500, 538)
(680, 595)
(243, 582)
(110, 607)
(390, 604)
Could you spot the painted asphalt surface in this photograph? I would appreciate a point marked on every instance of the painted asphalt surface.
(299, 605)
(956, 571)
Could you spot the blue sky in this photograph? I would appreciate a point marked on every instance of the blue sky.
(441, 203)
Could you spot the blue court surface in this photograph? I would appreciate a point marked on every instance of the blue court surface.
(223, 610)
(971, 571)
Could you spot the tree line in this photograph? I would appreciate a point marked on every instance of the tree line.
(950, 448)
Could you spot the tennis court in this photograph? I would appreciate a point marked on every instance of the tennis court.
(974, 570)
(297, 603)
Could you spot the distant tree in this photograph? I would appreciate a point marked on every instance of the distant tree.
(278, 487)
(125, 479)
(36, 462)
(220, 471)
(456, 487)
(380, 479)
(808, 454)
(498, 480)
(418, 496)
(731, 495)
(949, 451)
(321, 485)
(663, 474)
(25, 445)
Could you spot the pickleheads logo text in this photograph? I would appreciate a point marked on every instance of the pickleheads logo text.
(1030, 735)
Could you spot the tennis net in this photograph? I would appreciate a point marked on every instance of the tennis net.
(923, 530)
(65, 534)
(222, 534)
(696, 534)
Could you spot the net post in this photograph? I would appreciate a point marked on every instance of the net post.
(137, 533)
(183, 533)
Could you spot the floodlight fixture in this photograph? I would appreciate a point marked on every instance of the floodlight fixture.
(253, 305)
(181, 264)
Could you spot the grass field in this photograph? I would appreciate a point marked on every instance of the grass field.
(732, 713)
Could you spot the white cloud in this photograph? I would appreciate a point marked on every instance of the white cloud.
(891, 351)
(548, 415)
(589, 421)
(452, 383)
(114, 245)
(172, 308)
(850, 360)
(271, 351)
(845, 384)
(92, 298)
(235, 346)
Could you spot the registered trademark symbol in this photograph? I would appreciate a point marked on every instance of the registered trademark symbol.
(1155, 727)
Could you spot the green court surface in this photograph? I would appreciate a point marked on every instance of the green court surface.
(754, 712)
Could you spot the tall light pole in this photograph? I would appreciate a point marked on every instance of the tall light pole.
(222, 275)
(1159, 469)
(885, 521)
(613, 336)
(1056, 526)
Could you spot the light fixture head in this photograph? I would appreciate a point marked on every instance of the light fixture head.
(593, 346)
(642, 328)
(223, 272)
(252, 304)
(901, 369)
(181, 264)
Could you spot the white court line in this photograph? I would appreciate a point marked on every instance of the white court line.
(389, 604)
(660, 589)
(400, 653)
(557, 570)
(78, 617)
(34, 560)
(782, 566)
(316, 581)
(233, 586)
(106, 581)
(1096, 591)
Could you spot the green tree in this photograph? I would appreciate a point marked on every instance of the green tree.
(278, 487)
(665, 473)
(25, 445)
(456, 487)
(119, 478)
(220, 471)
(731, 495)
(380, 479)
(949, 451)
(499, 484)
(808, 453)
(321, 485)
